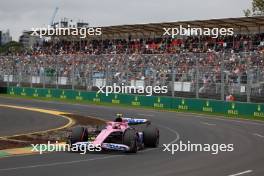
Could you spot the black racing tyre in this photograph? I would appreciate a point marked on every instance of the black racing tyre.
(151, 136)
(130, 139)
(78, 134)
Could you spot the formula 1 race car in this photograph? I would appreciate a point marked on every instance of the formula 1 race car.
(123, 134)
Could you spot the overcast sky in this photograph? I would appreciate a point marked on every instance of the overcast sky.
(19, 15)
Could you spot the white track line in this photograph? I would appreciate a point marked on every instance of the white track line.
(147, 115)
(222, 118)
(259, 135)
(58, 163)
(172, 142)
(209, 124)
(173, 131)
(241, 173)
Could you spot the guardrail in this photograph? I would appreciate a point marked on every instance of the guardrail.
(235, 109)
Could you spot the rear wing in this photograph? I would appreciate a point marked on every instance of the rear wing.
(132, 121)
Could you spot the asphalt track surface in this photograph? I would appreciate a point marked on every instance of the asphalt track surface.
(17, 121)
(246, 159)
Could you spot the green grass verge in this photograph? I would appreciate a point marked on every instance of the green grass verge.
(135, 107)
(3, 154)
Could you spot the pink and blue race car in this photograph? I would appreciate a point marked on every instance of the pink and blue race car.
(122, 134)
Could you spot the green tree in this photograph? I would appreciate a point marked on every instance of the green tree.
(256, 9)
(11, 47)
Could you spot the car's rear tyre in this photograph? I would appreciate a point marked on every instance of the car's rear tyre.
(130, 139)
(78, 134)
(151, 136)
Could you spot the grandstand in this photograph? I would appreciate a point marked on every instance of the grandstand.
(243, 25)
(148, 38)
(191, 66)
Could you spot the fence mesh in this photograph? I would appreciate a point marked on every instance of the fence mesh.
(200, 75)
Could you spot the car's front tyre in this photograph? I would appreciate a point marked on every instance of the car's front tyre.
(78, 134)
(151, 136)
(130, 139)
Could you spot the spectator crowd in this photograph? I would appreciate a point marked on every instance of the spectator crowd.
(155, 61)
(237, 43)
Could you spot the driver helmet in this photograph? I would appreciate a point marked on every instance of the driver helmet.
(119, 117)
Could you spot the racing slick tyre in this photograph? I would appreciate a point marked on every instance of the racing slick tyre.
(130, 139)
(151, 136)
(78, 134)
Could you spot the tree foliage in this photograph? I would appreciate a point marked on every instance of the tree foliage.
(257, 8)
(11, 47)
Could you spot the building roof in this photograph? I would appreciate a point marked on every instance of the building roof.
(245, 25)
(241, 25)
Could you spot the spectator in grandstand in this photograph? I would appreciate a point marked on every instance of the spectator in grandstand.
(230, 98)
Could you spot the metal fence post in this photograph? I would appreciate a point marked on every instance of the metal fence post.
(88, 76)
(107, 66)
(249, 82)
(19, 74)
(73, 76)
(91, 77)
(154, 74)
(222, 78)
(44, 74)
(86, 80)
(197, 77)
(173, 77)
(6, 72)
(57, 75)
(31, 75)
(127, 66)
(8, 79)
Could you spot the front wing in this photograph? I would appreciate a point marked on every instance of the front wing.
(105, 146)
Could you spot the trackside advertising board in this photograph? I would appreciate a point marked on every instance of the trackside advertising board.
(235, 109)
